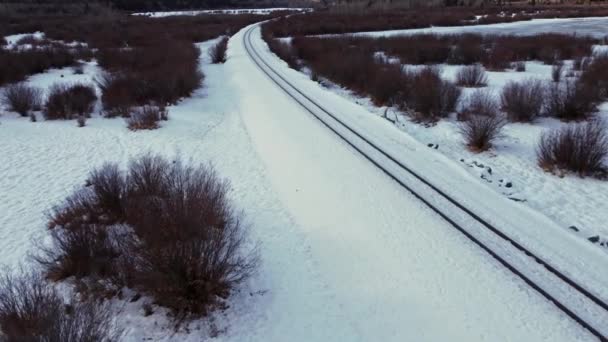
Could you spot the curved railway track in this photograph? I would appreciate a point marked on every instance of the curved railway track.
(572, 298)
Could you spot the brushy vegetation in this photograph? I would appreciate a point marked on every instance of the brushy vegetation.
(364, 65)
(182, 241)
(217, 52)
(285, 52)
(15, 66)
(579, 148)
(147, 117)
(571, 101)
(161, 74)
(159, 66)
(482, 123)
(21, 98)
(473, 76)
(595, 75)
(430, 97)
(121, 30)
(69, 101)
(492, 51)
(31, 310)
(519, 66)
(480, 102)
(557, 70)
(523, 101)
(374, 20)
(423, 94)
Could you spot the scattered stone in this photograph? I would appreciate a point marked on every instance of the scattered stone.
(135, 298)
(462, 160)
(429, 145)
(517, 199)
(489, 170)
(594, 239)
(148, 310)
(574, 228)
(508, 185)
(436, 146)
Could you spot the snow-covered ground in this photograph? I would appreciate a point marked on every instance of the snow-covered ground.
(596, 27)
(345, 253)
(224, 11)
(12, 41)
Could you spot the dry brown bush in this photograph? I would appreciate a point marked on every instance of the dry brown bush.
(473, 76)
(571, 101)
(21, 98)
(482, 123)
(147, 117)
(217, 52)
(579, 148)
(523, 101)
(182, 241)
(32, 310)
(68, 101)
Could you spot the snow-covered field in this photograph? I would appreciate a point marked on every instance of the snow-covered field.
(345, 254)
(224, 11)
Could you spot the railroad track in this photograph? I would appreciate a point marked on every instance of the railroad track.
(573, 299)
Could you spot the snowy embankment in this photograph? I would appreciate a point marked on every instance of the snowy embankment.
(345, 253)
(578, 205)
(224, 11)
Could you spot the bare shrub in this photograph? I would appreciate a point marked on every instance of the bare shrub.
(577, 64)
(556, 71)
(82, 243)
(31, 310)
(571, 101)
(70, 101)
(431, 97)
(15, 66)
(481, 103)
(519, 66)
(188, 247)
(387, 83)
(161, 73)
(83, 99)
(147, 117)
(285, 52)
(217, 52)
(472, 76)
(595, 75)
(580, 148)
(78, 251)
(468, 50)
(28, 305)
(482, 123)
(118, 93)
(21, 98)
(78, 69)
(108, 185)
(81, 121)
(182, 241)
(523, 101)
